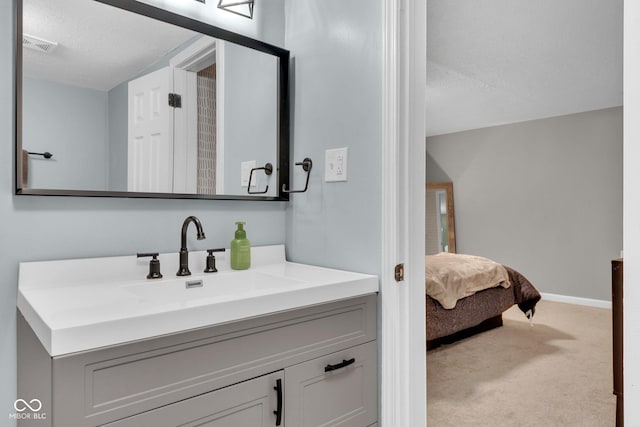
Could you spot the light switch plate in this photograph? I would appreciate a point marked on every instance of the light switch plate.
(335, 164)
(245, 170)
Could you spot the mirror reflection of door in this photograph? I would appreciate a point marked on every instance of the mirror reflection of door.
(173, 148)
(439, 227)
(150, 160)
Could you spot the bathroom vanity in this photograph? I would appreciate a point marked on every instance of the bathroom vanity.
(292, 345)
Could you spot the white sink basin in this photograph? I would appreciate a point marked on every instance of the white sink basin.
(219, 286)
(78, 305)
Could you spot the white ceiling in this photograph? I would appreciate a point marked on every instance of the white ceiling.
(493, 62)
(99, 46)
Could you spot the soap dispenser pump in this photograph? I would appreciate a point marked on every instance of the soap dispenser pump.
(240, 249)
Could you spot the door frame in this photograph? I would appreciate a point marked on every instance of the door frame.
(631, 210)
(402, 308)
(186, 119)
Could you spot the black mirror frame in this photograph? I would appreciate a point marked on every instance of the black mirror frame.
(163, 15)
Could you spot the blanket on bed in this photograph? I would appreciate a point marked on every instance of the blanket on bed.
(473, 310)
(451, 277)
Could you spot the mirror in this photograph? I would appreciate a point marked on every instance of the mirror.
(133, 105)
(440, 224)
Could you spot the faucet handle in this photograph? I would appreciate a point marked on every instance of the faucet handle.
(211, 260)
(154, 265)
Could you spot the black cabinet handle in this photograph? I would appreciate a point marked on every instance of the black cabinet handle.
(278, 411)
(344, 363)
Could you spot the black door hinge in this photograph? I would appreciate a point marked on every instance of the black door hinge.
(399, 272)
(175, 100)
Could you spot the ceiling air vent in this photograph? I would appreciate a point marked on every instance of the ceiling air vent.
(38, 44)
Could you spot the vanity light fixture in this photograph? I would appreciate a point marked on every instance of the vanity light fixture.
(239, 7)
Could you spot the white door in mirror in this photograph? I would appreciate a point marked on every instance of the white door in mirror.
(150, 133)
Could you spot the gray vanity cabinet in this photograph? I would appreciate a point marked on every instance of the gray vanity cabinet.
(250, 403)
(222, 375)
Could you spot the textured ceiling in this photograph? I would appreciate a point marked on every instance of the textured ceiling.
(492, 62)
(99, 45)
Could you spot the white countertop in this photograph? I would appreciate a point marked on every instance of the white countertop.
(82, 304)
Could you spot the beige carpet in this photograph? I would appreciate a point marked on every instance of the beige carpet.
(556, 373)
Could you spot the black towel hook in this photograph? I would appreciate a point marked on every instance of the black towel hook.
(46, 154)
(306, 166)
(268, 170)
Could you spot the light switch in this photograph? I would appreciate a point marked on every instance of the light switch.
(245, 170)
(335, 164)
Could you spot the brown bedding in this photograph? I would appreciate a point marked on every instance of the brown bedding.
(473, 310)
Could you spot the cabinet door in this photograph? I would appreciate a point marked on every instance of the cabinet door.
(336, 390)
(250, 403)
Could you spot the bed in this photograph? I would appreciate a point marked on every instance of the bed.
(475, 306)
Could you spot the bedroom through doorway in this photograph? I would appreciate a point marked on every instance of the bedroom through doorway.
(524, 120)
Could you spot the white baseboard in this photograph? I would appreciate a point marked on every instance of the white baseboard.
(576, 300)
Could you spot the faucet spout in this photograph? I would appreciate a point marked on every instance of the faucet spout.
(184, 253)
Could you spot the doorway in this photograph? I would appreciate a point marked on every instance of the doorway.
(556, 246)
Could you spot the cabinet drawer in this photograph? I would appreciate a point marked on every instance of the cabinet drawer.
(109, 384)
(251, 403)
(321, 393)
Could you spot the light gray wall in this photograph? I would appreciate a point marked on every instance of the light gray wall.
(250, 93)
(41, 228)
(336, 92)
(544, 197)
(434, 172)
(71, 123)
(270, 22)
(118, 137)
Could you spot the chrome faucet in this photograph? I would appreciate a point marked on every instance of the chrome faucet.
(184, 253)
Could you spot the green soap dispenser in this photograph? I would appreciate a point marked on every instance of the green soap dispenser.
(240, 249)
